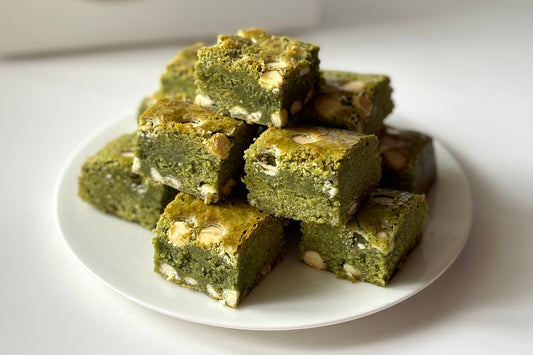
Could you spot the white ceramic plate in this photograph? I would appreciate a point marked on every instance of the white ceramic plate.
(293, 296)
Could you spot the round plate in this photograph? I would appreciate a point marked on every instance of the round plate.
(293, 295)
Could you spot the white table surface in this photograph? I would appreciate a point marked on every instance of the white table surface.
(461, 72)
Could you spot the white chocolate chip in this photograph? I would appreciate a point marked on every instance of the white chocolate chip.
(336, 136)
(179, 233)
(212, 292)
(207, 189)
(154, 173)
(391, 131)
(315, 135)
(254, 117)
(190, 281)
(395, 159)
(296, 107)
(281, 63)
(361, 246)
(279, 119)
(271, 79)
(354, 206)
(350, 271)
(268, 169)
(312, 258)
(326, 106)
(305, 138)
(382, 199)
(219, 145)
(353, 86)
(330, 189)
(127, 153)
(210, 234)
(238, 111)
(136, 165)
(364, 104)
(165, 180)
(139, 189)
(386, 239)
(383, 235)
(230, 297)
(168, 271)
(203, 100)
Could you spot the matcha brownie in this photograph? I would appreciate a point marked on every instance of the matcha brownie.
(372, 246)
(353, 101)
(408, 160)
(107, 182)
(312, 174)
(178, 77)
(256, 77)
(221, 250)
(191, 148)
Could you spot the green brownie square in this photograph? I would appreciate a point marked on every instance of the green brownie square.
(178, 77)
(313, 174)
(191, 148)
(222, 250)
(373, 245)
(353, 101)
(256, 77)
(408, 160)
(107, 182)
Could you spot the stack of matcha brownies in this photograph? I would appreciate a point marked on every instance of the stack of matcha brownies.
(249, 133)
